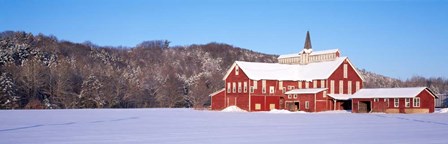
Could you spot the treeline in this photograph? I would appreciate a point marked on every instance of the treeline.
(42, 72)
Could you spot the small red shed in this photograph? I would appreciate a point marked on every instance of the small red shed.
(394, 100)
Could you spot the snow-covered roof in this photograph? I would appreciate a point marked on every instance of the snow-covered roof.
(276, 71)
(213, 94)
(340, 96)
(313, 53)
(389, 92)
(305, 91)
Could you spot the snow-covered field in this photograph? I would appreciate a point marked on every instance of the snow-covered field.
(158, 126)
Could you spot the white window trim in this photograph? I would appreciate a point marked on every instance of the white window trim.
(307, 105)
(396, 102)
(284, 90)
(257, 106)
(290, 87)
(239, 87)
(315, 84)
(245, 87)
(322, 83)
(252, 90)
(345, 70)
(289, 96)
(307, 84)
(255, 84)
(416, 101)
(237, 70)
(295, 96)
(341, 87)
(387, 102)
(407, 102)
(280, 85)
(271, 90)
(349, 87)
(234, 87)
(271, 106)
(229, 87)
(358, 85)
(300, 85)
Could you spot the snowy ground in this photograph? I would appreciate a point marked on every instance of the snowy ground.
(189, 126)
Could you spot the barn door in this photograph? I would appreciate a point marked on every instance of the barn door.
(364, 107)
(281, 103)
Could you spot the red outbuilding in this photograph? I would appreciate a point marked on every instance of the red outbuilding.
(394, 100)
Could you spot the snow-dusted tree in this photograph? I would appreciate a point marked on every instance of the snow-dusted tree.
(8, 96)
(91, 94)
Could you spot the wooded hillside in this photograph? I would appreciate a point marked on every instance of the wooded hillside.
(39, 71)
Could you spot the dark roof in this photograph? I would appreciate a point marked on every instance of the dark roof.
(307, 41)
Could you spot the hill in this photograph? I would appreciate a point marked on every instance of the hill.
(39, 71)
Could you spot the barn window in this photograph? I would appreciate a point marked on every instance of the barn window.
(416, 102)
(263, 85)
(257, 106)
(341, 87)
(239, 87)
(324, 93)
(271, 106)
(407, 102)
(289, 96)
(300, 85)
(237, 70)
(252, 89)
(322, 83)
(307, 105)
(376, 100)
(307, 84)
(387, 102)
(332, 86)
(271, 90)
(315, 84)
(245, 87)
(295, 96)
(358, 85)
(283, 90)
(255, 84)
(396, 102)
(349, 87)
(290, 87)
(280, 85)
(229, 87)
(345, 71)
(234, 87)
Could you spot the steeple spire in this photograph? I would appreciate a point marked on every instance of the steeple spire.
(307, 41)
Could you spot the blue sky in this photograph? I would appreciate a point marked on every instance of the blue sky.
(394, 38)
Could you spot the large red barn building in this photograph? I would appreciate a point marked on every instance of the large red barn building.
(310, 81)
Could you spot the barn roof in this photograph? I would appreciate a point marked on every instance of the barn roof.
(313, 53)
(217, 92)
(390, 92)
(340, 96)
(276, 71)
(306, 91)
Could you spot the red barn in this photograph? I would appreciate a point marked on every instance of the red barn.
(309, 81)
(299, 81)
(394, 100)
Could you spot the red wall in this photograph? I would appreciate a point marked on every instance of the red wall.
(218, 101)
(426, 101)
(338, 74)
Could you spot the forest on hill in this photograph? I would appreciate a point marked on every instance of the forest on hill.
(42, 72)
